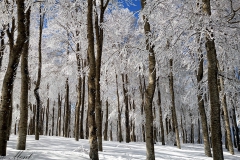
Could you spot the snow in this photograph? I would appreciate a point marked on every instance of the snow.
(50, 148)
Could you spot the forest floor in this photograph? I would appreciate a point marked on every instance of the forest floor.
(60, 148)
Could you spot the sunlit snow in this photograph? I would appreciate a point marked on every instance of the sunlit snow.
(60, 148)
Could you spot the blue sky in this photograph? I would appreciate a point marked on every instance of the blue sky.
(136, 7)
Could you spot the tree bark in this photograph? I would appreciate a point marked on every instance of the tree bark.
(142, 88)
(149, 93)
(36, 90)
(79, 98)
(10, 119)
(226, 118)
(214, 100)
(69, 121)
(11, 44)
(106, 123)
(201, 109)
(34, 118)
(82, 109)
(120, 139)
(199, 132)
(183, 132)
(23, 123)
(9, 77)
(174, 115)
(133, 123)
(53, 121)
(2, 47)
(59, 115)
(213, 89)
(236, 128)
(47, 116)
(66, 119)
(93, 153)
(111, 137)
(160, 114)
(192, 129)
(99, 41)
(125, 91)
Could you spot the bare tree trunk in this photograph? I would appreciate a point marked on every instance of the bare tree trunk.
(133, 123)
(183, 132)
(93, 152)
(69, 121)
(236, 128)
(106, 123)
(214, 100)
(53, 121)
(59, 115)
(201, 109)
(154, 126)
(174, 115)
(192, 129)
(47, 116)
(99, 41)
(199, 132)
(2, 47)
(66, 119)
(10, 119)
(142, 88)
(87, 130)
(79, 88)
(36, 90)
(82, 110)
(9, 77)
(125, 91)
(42, 120)
(213, 89)
(160, 114)
(226, 118)
(111, 137)
(23, 123)
(11, 45)
(31, 121)
(34, 118)
(149, 93)
(120, 139)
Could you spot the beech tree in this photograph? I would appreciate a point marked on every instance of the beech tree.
(91, 85)
(23, 123)
(122, 54)
(149, 93)
(7, 88)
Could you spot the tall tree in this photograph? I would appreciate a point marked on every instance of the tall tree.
(99, 41)
(38, 82)
(125, 93)
(173, 108)
(83, 99)
(106, 123)
(79, 87)
(160, 113)
(67, 109)
(149, 93)
(201, 108)
(2, 46)
(8, 81)
(23, 123)
(226, 117)
(120, 139)
(91, 85)
(213, 87)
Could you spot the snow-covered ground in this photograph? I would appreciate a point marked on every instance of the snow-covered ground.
(60, 148)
